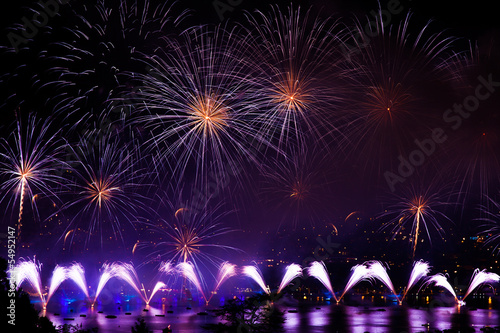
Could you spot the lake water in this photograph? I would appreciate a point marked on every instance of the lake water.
(307, 318)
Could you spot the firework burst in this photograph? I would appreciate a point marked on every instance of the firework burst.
(491, 224)
(417, 212)
(294, 54)
(191, 236)
(197, 102)
(30, 165)
(297, 187)
(104, 190)
(391, 74)
(104, 39)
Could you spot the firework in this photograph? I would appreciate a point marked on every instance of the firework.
(123, 271)
(419, 211)
(491, 224)
(197, 103)
(104, 39)
(191, 236)
(75, 272)
(28, 270)
(358, 273)
(441, 281)
(378, 271)
(480, 278)
(292, 271)
(105, 190)
(391, 74)
(29, 165)
(297, 186)
(159, 285)
(109, 271)
(419, 271)
(294, 54)
(254, 273)
(58, 276)
(188, 271)
(318, 271)
(226, 271)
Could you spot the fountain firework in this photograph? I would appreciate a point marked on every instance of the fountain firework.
(187, 270)
(318, 271)
(254, 273)
(292, 271)
(75, 273)
(359, 273)
(159, 285)
(378, 271)
(420, 270)
(226, 271)
(28, 270)
(441, 281)
(123, 271)
(480, 278)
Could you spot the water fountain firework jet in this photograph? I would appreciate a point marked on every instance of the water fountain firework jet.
(28, 270)
(441, 281)
(226, 271)
(480, 278)
(318, 271)
(127, 273)
(58, 276)
(109, 271)
(254, 273)
(292, 271)
(187, 270)
(359, 273)
(116, 269)
(157, 287)
(419, 271)
(75, 273)
(378, 271)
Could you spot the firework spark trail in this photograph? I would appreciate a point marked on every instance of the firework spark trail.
(480, 278)
(28, 270)
(378, 271)
(292, 271)
(441, 281)
(389, 70)
(318, 271)
(491, 224)
(254, 273)
(166, 267)
(188, 271)
(359, 273)
(103, 40)
(419, 271)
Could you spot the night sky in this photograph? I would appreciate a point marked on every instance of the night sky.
(128, 170)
